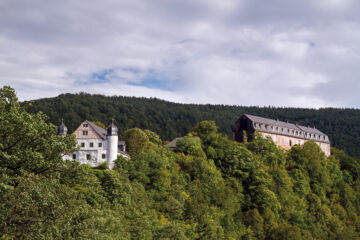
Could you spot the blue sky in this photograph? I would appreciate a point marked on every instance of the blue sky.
(298, 53)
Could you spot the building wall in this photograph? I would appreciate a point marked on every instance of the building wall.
(112, 150)
(95, 151)
(91, 134)
(286, 142)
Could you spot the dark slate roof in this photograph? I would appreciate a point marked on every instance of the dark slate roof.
(112, 129)
(172, 144)
(98, 130)
(123, 153)
(62, 127)
(286, 125)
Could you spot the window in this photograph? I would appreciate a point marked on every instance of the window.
(290, 143)
(121, 148)
(85, 133)
(103, 156)
(91, 144)
(74, 156)
(88, 157)
(100, 144)
(82, 144)
(85, 125)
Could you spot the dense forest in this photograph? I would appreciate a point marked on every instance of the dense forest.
(171, 120)
(209, 187)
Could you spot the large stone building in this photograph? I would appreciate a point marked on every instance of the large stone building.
(284, 134)
(96, 144)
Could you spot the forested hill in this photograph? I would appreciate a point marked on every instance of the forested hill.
(171, 120)
(208, 187)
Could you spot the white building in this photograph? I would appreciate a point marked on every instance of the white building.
(96, 144)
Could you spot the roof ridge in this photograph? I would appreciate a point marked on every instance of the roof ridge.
(99, 130)
(293, 126)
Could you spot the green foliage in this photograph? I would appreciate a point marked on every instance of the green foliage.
(136, 139)
(28, 143)
(153, 137)
(171, 120)
(100, 124)
(210, 187)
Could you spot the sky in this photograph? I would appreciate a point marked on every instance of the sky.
(298, 53)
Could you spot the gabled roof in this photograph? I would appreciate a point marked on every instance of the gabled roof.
(99, 130)
(123, 153)
(277, 123)
(271, 121)
(172, 144)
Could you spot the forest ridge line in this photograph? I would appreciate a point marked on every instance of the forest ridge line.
(171, 120)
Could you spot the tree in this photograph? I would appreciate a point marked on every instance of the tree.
(136, 139)
(29, 144)
(30, 159)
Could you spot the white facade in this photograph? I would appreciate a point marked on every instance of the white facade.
(92, 151)
(112, 150)
(96, 145)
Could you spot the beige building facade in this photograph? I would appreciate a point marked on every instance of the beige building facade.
(284, 134)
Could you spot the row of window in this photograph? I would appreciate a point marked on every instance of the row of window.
(91, 144)
(88, 156)
(290, 131)
(289, 142)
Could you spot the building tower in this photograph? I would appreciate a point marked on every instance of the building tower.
(62, 129)
(112, 144)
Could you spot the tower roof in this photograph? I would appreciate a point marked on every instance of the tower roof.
(62, 129)
(112, 130)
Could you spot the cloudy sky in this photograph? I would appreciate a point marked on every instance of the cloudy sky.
(301, 53)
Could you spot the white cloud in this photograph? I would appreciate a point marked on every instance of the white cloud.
(293, 53)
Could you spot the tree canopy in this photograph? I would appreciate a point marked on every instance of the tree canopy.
(209, 187)
(170, 120)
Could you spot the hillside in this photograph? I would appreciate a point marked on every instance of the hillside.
(209, 187)
(171, 120)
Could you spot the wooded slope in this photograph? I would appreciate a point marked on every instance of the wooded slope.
(171, 120)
